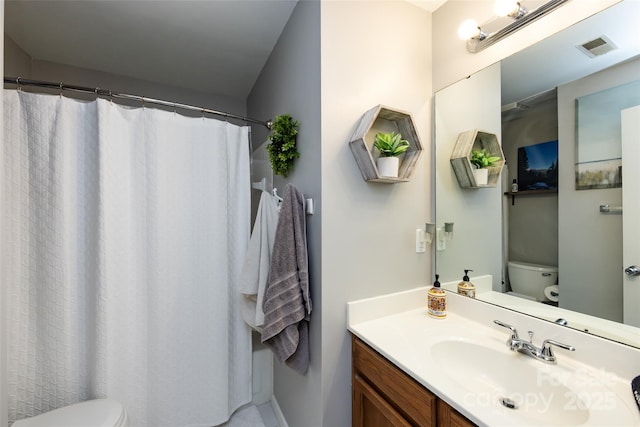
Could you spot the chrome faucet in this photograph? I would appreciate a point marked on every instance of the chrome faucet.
(543, 353)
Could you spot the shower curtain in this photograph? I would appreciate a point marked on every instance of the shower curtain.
(124, 230)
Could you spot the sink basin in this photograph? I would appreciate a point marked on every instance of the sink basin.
(468, 365)
(540, 393)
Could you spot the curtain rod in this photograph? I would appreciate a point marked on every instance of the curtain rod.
(108, 93)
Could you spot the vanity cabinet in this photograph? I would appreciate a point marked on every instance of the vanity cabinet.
(384, 396)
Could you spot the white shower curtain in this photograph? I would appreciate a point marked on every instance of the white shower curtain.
(124, 232)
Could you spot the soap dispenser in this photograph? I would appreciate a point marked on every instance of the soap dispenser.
(437, 301)
(514, 186)
(465, 287)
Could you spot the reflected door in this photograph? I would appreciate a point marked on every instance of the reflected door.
(631, 213)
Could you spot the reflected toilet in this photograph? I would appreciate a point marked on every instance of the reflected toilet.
(530, 280)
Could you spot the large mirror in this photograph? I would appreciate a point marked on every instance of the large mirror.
(554, 249)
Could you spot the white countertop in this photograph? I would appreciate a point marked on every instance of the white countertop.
(398, 327)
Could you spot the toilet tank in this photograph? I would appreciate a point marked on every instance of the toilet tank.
(531, 279)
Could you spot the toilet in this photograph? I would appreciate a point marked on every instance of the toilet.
(530, 280)
(91, 413)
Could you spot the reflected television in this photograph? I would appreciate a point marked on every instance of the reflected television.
(538, 166)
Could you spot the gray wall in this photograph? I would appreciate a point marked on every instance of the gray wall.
(290, 83)
(590, 244)
(3, 343)
(16, 61)
(19, 64)
(328, 68)
(532, 223)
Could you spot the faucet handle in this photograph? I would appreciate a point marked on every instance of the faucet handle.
(514, 332)
(546, 348)
(531, 334)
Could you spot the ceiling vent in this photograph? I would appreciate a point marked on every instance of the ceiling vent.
(597, 47)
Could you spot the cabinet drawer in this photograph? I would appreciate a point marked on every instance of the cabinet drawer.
(406, 395)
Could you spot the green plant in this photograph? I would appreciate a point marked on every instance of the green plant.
(390, 144)
(481, 159)
(282, 150)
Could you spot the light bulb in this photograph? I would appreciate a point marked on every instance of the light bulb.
(468, 29)
(510, 8)
(505, 7)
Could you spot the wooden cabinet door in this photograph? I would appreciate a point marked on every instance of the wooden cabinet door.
(406, 396)
(371, 410)
(449, 417)
(385, 396)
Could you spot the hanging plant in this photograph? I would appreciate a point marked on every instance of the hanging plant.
(282, 150)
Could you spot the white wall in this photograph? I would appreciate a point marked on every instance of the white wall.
(473, 103)
(451, 60)
(584, 233)
(372, 53)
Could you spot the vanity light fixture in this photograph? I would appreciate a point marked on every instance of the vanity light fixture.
(469, 30)
(511, 8)
(478, 39)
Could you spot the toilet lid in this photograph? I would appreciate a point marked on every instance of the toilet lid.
(92, 413)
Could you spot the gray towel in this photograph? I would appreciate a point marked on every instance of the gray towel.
(287, 304)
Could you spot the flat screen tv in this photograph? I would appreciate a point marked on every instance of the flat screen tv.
(538, 166)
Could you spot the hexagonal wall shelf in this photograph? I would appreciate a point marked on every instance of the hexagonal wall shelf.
(460, 158)
(384, 119)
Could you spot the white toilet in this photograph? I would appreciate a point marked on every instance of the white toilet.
(530, 280)
(92, 413)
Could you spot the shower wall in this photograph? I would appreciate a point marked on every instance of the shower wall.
(18, 63)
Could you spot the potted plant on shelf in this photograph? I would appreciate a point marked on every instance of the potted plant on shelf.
(481, 160)
(391, 145)
(282, 149)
